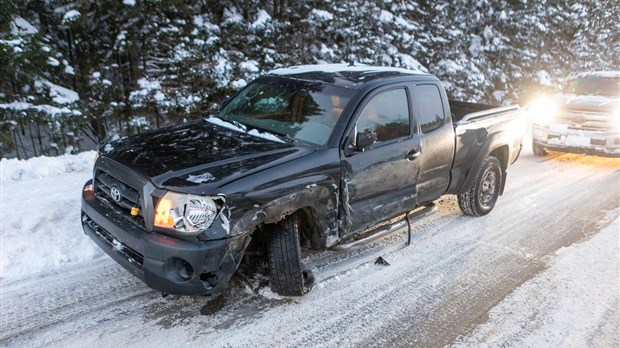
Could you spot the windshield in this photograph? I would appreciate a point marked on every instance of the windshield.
(302, 110)
(593, 85)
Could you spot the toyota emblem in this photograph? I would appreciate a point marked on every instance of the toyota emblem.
(115, 193)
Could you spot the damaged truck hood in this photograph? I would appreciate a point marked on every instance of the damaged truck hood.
(199, 156)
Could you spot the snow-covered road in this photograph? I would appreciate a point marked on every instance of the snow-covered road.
(541, 270)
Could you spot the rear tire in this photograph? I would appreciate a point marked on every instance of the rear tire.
(288, 276)
(538, 149)
(481, 197)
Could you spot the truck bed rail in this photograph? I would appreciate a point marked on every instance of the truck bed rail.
(486, 113)
(464, 112)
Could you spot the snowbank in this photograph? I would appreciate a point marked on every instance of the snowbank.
(41, 167)
(40, 214)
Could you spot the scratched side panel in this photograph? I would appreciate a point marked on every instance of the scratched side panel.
(268, 196)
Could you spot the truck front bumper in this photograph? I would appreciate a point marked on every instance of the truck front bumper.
(589, 142)
(165, 263)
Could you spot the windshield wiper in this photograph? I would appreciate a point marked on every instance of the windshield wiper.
(282, 136)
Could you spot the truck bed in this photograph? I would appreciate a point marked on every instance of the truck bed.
(477, 126)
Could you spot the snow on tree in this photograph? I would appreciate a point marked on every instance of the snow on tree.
(82, 70)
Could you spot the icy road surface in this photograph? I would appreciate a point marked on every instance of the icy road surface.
(541, 270)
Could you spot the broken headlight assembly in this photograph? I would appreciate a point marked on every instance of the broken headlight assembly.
(185, 213)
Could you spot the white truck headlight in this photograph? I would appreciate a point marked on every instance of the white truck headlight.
(543, 109)
(185, 213)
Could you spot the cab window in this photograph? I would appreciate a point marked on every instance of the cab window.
(430, 107)
(387, 115)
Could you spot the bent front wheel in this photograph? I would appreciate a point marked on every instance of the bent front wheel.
(288, 276)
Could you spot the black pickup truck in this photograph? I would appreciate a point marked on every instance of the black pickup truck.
(322, 156)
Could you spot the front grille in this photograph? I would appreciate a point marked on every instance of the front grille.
(130, 254)
(588, 120)
(118, 195)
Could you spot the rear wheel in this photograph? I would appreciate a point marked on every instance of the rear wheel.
(288, 276)
(538, 149)
(481, 197)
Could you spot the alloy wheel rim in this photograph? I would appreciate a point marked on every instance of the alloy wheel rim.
(487, 188)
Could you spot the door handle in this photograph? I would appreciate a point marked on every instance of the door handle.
(413, 154)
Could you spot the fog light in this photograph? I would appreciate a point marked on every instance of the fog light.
(180, 270)
(184, 269)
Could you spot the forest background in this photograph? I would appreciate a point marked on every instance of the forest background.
(73, 73)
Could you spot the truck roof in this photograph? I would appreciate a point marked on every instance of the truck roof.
(352, 76)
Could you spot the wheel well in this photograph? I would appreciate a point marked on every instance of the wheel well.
(501, 153)
(309, 228)
(310, 236)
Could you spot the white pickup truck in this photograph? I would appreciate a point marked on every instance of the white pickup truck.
(584, 118)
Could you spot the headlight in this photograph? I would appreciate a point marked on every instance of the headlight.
(543, 109)
(185, 213)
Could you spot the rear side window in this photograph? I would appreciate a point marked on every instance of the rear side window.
(430, 107)
(387, 114)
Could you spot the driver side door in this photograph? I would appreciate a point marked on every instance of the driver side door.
(379, 181)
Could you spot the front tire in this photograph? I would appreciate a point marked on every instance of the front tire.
(481, 197)
(538, 149)
(288, 276)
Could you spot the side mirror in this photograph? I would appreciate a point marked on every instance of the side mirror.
(364, 139)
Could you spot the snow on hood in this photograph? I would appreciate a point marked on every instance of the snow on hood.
(241, 128)
(201, 178)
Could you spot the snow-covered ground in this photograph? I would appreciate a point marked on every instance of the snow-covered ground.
(40, 214)
(574, 303)
(541, 270)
